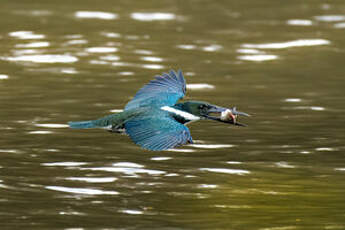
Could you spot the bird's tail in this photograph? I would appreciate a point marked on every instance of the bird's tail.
(82, 124)
(104, 122)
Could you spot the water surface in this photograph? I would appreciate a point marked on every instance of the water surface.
(79, 60)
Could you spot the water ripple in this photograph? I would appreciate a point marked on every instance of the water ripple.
(208, 186)
(293, 100)
(249, 51)
(198, 86)
(234, 162)
(128, 164)
(9, 151)
(314, 108)
(3, 76)
(127, 171)
(161, 158)
(143, 52)
(76, 42)
(33, 45)
(340, 169)
(111, 35)
(52, 125)
(26, 35)
(152, 59)
(181, 150)
(212, 48)
(128, 168)
(86, 191)
(96, 14)
(211, 146)
(93, 179)
(284, 165)
(152, 16)
(46, 58)
(101, 49)
(65, 164)
(299, 22)
(330, 18)
(132, 212)
(40, 132)
(227, 171)
(152, 66)
(110, 58)
(289, 44)
(187, 47)
(258, 58)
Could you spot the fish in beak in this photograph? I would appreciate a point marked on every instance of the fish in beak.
(226, 115)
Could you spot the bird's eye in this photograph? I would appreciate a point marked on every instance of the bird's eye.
(203, 108)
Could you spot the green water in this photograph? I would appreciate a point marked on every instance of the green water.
(285, 171)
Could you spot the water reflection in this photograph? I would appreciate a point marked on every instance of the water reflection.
(161, 158)
(93, 179)
(226, 171)
(151, 59)
(157, 16)
(86, 191)
(64, 164)
(41, 132)
(33, 45)
(3, 76)
(293, 99)
(340, 25)
(110, 58)
(52, 125)
(289, 44)
(45, 58)
(76, 42)
(96, 15)
(258, 58)
(300, 22)
(152, 66)
(330, 18)
(290, 153)
(127, 168)
(199, 86)
(211, 146)
(212, 48)
(132, 212)
(26, 35)
(101, 49)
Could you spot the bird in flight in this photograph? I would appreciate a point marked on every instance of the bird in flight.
(155, 121)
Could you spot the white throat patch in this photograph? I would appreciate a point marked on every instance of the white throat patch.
(185, 115)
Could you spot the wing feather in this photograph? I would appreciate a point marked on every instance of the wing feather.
(157, 132)
(164, 90)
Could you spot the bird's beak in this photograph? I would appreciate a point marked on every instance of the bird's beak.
(226, 115)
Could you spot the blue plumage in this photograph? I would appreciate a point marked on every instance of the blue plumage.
(153, 120)
(165, 90)
(157, 131)
(82, 124)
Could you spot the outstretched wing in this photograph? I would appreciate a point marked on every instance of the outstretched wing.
(157, 132)
(164, 90)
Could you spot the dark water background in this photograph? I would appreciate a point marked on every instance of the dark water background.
(281, 61)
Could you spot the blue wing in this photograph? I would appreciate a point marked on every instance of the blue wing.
(157, 132)
(163, 90)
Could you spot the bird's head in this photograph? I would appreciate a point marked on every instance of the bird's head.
(213, 112)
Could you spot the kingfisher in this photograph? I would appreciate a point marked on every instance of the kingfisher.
(155, 121)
